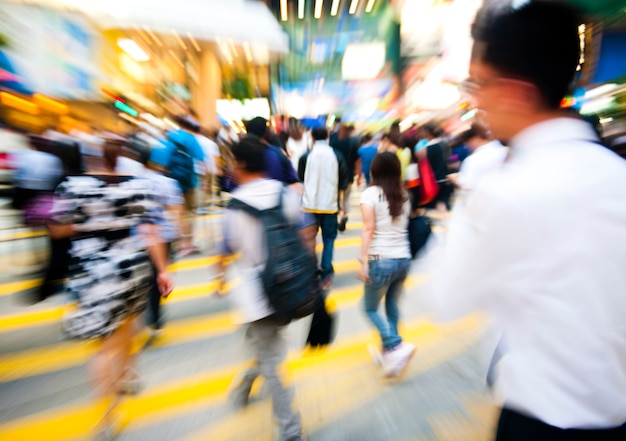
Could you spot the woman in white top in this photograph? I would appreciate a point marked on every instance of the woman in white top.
(386, 257)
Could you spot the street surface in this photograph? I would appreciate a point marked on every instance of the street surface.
(187, 370)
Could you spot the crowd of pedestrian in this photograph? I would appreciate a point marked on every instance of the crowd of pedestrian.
(520, 243)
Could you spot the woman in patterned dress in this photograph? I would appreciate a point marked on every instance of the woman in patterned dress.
(110, 220)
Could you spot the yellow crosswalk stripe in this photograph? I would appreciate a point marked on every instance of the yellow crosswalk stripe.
(47, 316)
(182, 396)
(67, 354)
(7, 289)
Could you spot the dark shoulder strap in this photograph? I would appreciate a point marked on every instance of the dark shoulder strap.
(236, 204)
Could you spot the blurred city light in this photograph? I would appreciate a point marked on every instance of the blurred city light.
(283, 10)
(353, 6)
(133, 50)
(301, 8)
(318, 8)
(334, 8)
(370, 5)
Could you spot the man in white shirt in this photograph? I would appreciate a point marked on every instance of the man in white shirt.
(542, 242)
(325, 176)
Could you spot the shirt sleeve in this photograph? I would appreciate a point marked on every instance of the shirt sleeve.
(369, 196)
(479, 258)
(231, 242)
(65, 205)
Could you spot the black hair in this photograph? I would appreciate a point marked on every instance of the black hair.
(366, 138)
(257, 126)
(538, 43)
(187, 123)
(319, 134)
(476, 130)
(386, 172)
(431, 129)
(251, 153)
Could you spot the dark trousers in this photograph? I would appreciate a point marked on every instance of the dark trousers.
(513, 426)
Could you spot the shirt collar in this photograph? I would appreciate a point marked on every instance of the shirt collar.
(554, 131)
(489, 145)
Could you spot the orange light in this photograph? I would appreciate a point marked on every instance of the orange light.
(50, 105)
(18, 103)
(112, 95)
(568, 101)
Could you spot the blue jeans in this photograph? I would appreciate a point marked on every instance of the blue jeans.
(328, 224)
(387, 277)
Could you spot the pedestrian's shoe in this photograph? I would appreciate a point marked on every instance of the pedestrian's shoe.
(105, 433)
(301, 437)
(342, 224)
(376, 355)
(130, 384)
(396, 360)
(239, 394)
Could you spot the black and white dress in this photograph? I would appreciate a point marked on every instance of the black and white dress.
(109, 270)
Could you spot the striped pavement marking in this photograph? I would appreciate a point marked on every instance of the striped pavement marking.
(53, 315)
(31, 362)
(179, 397)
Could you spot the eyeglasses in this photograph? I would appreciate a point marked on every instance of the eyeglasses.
(474, 85)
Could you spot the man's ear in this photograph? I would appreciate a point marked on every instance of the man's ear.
(522, 96)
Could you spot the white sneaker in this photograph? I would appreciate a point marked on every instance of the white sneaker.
(394, 362)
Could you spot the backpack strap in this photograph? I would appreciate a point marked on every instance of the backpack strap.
(237, 204)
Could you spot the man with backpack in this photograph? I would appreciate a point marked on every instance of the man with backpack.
(184, 158)
(260, 225)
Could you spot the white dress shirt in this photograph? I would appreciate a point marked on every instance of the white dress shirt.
(541, 246)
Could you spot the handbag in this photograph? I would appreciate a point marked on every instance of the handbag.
(419, 231)
(323, 325)
(429, 186)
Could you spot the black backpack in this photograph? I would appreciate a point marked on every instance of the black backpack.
(181, 167)
(289, 278)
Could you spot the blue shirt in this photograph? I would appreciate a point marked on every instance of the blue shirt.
(279, 167)
(367, 153)
(162, 155)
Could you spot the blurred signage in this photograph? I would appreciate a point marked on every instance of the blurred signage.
(235, 110)
(363, 61)
(52, 51)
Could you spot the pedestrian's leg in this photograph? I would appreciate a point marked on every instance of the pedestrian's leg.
(346, 199)
(373, 294)
(270, 351)
(393, 295)
(328, 224)
(154, 302)
(392, 311)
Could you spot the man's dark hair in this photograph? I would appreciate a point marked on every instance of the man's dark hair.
(476, 130)
(187, 123)
(251, 153)
(538, 43)
(319, 134)
(257, 126)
